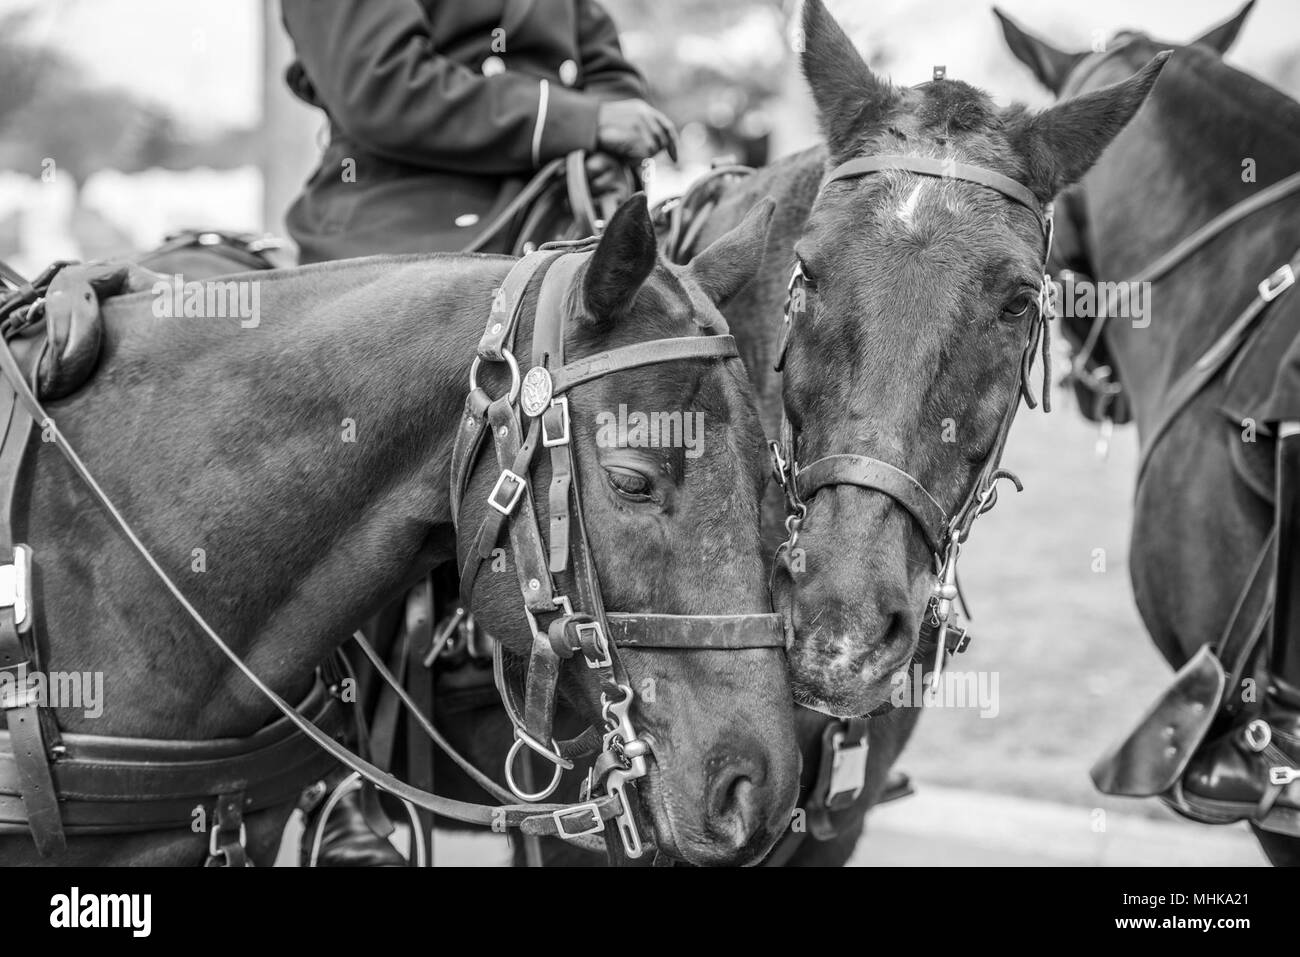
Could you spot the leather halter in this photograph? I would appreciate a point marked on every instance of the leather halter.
(944, 533)
(109, 774)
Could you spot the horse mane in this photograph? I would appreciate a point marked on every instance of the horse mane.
(1251, 118)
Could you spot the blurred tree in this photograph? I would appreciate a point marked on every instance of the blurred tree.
(54, 119)
(719, 65)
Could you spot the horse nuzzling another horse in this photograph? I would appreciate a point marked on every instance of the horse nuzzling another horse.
(297, 476)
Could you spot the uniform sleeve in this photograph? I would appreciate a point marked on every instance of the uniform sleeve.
(606, 72)
(373, 66)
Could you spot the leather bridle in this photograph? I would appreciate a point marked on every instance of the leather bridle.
(944, 532)
(568, 620)
(562, 628)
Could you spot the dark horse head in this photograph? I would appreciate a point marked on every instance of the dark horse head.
(920, 295)
(673, 519)
(1079, 216)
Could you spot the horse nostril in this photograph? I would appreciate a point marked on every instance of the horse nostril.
(734, 800)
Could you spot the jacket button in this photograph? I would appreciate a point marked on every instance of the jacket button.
(493, 65)
(568, 73)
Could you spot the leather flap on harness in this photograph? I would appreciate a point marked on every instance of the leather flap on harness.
(1155, 754)
(66, 355)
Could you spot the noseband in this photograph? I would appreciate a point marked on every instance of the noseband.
(569, 620)
(944, 532)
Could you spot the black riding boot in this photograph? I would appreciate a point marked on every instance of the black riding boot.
(348, 839)
(1253, 772)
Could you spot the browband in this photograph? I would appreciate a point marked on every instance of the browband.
(943, 169)
(641, 354)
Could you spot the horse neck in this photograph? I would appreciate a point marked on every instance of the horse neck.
(291, 478)
(1165, 177)
(755, 315)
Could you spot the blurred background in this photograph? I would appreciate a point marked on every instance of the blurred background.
(123, 120)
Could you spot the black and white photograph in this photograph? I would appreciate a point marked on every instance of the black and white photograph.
(651, 433)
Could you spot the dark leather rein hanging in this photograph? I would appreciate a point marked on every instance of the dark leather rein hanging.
(944, 532)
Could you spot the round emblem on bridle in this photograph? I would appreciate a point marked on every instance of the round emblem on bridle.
(536, 394)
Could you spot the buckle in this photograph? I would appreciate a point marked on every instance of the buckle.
(563, 815)
(1283, 775)
(214, 849)
(549, 441)
(593, 629)
(512, 498)
(1258, 735)
(16, 586)
(1276, 284)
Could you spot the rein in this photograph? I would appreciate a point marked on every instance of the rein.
(1211, 362)
(944, 532)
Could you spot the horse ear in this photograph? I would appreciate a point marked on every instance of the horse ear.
(1050, 65)
(848, 95)
(1223, 36)
(621, 263)
(731, 261)
(1063, 142)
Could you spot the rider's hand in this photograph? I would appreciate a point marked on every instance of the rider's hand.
(635, 130)
(603, 173)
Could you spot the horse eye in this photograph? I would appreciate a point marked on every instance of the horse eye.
(1019, 307)
(629, 484)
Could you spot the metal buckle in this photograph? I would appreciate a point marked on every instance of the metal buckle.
(1278, 283)
(562, 605)
(560, 816)
(509, 505)
(16, 586)
(1258, 735)
(214, 850)
(848, 768)
(1283, 775)
(549, 441)
(586, 628)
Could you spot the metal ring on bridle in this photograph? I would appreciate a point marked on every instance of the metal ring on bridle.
(522, 738)
(514, 374)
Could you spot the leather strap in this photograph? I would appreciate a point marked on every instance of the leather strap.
(943, 169)
(705, 632)
(1207, 368)
(880, 476)
(642, 354)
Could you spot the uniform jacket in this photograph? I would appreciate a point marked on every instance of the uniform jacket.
(439, 112)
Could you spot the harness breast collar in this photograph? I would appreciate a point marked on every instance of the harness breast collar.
(944, 533)
(52, 784)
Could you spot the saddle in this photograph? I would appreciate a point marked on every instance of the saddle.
(56, 339)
